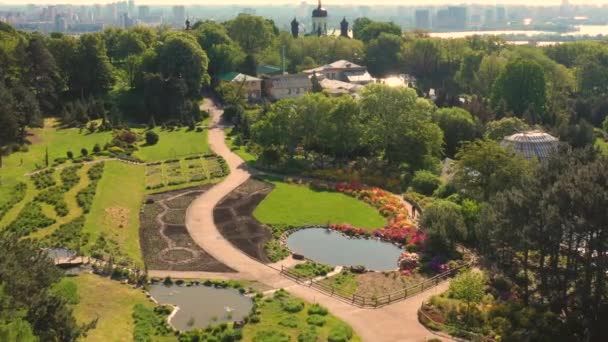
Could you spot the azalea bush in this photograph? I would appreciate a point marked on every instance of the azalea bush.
(408, 261)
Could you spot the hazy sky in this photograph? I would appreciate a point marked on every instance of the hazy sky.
(327, 2)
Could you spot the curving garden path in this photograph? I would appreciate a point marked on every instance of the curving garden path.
(396, 322)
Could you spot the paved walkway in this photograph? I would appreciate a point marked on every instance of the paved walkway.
(396, 322)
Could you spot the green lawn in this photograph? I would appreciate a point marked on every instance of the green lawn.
(173, 144)
(297, 205)
(109, 301)
(115, 210)
(275, 319)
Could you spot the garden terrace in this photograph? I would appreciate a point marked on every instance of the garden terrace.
(233, 218)
(165, 241)
(192, 170)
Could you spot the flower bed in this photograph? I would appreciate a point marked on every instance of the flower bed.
(398, 229)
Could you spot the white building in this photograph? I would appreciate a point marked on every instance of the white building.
(344, 71)
(287, 86)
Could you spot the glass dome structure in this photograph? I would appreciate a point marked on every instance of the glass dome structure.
(532, 144)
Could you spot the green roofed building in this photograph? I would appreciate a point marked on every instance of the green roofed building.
(269, 70)
(251, 86)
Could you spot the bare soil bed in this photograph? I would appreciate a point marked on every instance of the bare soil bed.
(234, 218)
(165, 241)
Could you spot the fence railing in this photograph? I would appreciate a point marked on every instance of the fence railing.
(373, 301)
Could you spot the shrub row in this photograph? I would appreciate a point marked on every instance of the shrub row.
(85, 197)
(68, 235)
(30, 219)
(44, 179)
(69, 177)
(17, 195)
(54, 196)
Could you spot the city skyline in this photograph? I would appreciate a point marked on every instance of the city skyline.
(296, 2)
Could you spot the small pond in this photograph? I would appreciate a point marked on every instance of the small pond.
(200, 306)
(333, 248)
(60, 253)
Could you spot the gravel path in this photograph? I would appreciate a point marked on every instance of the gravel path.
(396, 322)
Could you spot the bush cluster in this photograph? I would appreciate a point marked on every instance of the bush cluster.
(275, 251)
(312, 269)
(149, 323)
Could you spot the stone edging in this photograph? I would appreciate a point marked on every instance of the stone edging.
(285, 235)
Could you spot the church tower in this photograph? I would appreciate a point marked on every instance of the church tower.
(319, 20)
(344, 28)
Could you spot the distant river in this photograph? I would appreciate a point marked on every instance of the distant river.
(589, 30)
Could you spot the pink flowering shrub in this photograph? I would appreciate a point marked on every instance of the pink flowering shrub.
(408, 261)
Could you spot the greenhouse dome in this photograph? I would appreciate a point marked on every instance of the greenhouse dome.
(532, 144)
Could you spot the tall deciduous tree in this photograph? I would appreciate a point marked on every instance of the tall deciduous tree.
(251, 32)
(484, 168)
(398, 126)
(181, 57)
(383, 54)
(92, 73)
(457, 125)
(522, 86)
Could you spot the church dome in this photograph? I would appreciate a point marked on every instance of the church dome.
(532, 144)
(319, 12)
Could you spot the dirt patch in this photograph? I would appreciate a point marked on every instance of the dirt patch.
(118, 216)
(165, 241)
(234, 219)
(33, 138)
(380, 283)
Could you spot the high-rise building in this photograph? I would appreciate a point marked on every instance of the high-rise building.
(131, 8)
(452, 18)
(143, 12)
(501, 15)
(179, 16)
(60, 23)
(423, 19)
(489, 19)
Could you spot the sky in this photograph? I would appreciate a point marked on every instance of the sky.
(325, 2)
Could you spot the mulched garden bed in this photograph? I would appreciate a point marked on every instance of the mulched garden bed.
(234, 218)
(165, 241)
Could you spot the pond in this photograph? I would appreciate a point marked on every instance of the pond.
(333, 248)
(201, 306)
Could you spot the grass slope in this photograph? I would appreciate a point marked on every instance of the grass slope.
(300, 206)
(173, 144)
(117, 202)
(109, 301)
(58, 141)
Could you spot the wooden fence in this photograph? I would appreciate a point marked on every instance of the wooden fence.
(373, 301)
